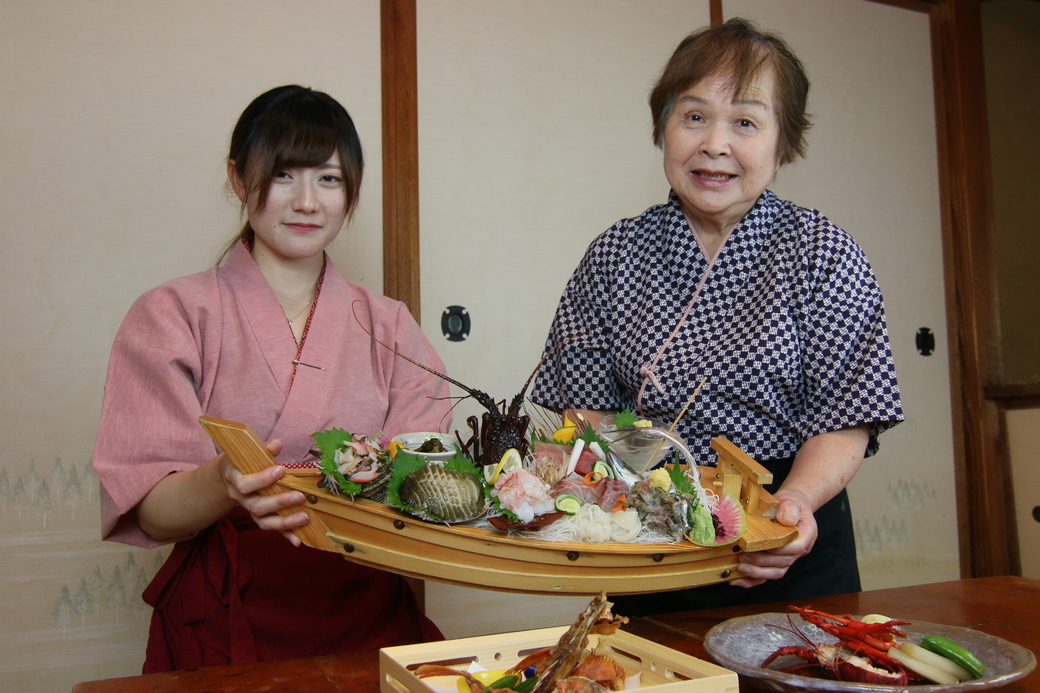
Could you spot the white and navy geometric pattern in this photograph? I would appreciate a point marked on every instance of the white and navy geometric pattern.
(789, 330)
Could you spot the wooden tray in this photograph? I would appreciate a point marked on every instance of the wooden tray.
(383, 537)
(661, 668)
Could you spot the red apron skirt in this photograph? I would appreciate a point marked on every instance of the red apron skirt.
(237, 594)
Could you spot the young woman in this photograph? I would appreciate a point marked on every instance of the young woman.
(275, 338)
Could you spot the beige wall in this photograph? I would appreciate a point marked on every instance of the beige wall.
(114, 121)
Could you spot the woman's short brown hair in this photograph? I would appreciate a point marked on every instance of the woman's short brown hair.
(290, 127)
(741, 51)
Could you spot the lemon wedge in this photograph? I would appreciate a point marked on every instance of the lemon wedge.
(875, 618)
(393, 448)
(510, 461)
(485, 677)
(565, 433)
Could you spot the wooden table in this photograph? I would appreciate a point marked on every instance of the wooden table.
(1008, 607)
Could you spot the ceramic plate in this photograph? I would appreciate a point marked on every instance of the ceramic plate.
(410, 441)
(742, 644)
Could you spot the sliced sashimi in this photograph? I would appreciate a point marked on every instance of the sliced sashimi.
(610, 491)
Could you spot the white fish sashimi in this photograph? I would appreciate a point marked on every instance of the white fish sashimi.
(523, 494)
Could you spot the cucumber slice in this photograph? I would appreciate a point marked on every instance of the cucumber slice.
(568, 503)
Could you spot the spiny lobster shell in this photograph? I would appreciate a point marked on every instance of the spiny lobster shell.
(437, 494)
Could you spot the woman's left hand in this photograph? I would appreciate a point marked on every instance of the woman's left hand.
(824, 465)
(758, 566)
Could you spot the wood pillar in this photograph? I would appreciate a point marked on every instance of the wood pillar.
(400, 153)
(986, 522)
(401, 167)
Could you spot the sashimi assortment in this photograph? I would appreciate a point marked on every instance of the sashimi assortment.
(567, 488)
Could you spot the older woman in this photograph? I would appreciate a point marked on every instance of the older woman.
(772, 305)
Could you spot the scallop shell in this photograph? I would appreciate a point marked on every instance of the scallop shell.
(437, 494)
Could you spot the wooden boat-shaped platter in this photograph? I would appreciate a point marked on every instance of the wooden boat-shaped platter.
(379, 536)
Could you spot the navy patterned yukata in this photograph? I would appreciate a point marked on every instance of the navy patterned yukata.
(788, 329)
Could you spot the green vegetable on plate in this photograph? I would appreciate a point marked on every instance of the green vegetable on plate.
(951, 650)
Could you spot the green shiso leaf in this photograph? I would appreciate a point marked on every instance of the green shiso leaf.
(331, 440)
(681, 482)
(328, 443)
(405, 464)
(461, 463)
(590, 436)
(625, 418)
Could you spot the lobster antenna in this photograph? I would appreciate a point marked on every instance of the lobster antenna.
(476, 394)
(518, 400)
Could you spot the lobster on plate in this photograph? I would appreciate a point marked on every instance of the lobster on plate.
(859, 655)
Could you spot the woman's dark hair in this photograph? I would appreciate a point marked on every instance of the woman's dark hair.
(739, 50)
(289, 127)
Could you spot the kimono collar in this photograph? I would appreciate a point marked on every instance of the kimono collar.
(749, 231)
(306, 394)
(761, 213)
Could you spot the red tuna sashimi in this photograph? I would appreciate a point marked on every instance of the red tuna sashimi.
(586, 461)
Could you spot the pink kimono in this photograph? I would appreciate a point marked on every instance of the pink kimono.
(217, 343)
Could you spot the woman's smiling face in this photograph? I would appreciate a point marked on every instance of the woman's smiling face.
(304, 211)
(720, 152)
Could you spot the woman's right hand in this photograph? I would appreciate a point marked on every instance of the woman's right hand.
(183, 504)
(244, 489)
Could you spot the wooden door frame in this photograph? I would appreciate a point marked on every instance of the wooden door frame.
(985, 517)
(400, 84)
(986, 523)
